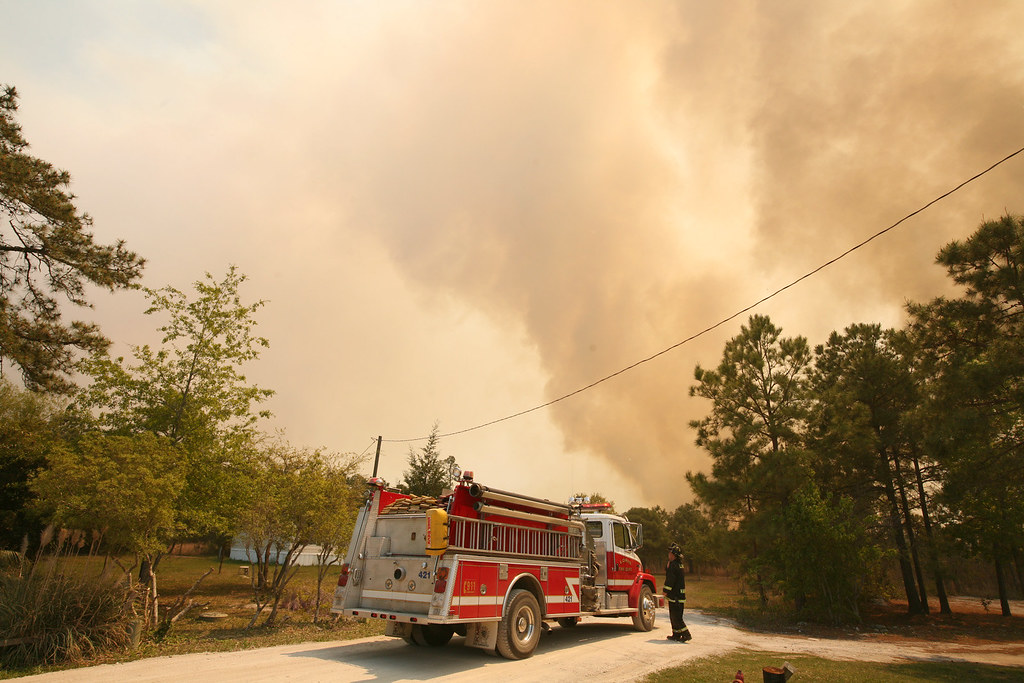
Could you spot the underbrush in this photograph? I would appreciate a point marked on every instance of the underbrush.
(223, 608)
(53, 612)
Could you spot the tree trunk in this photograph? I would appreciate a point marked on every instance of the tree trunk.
(1004, 600)
(911, 538)
(147, 567)
(156, 599)
(1019, 565)
(263, 568)
(321, 571)
(273, 612)
(760, 581)
(933, 555)
(896, 527)
(319, 597)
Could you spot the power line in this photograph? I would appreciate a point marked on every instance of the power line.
(735, 315)
(368, 447)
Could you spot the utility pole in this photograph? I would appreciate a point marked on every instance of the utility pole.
(376, 458)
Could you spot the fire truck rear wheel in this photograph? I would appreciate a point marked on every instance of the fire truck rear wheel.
(519, 628)
(643, 620)
(432, 635)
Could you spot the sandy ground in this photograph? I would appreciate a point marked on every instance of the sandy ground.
(596, 650)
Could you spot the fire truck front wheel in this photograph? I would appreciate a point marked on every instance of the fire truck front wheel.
(643, 620)
(519, 629)
(432, 635)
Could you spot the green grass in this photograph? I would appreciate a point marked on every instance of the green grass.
(722, 669)
(717, 594)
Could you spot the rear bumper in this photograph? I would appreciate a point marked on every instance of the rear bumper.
(386, 615)
(403, 617)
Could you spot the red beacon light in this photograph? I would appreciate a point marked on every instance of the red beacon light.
(375, 481)
(467, 476)
(596, 506)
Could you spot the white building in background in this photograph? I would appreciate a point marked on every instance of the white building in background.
(240, 552)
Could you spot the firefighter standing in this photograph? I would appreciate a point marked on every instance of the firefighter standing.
(675, 593)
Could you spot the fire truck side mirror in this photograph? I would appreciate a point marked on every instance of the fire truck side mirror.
(437, 531)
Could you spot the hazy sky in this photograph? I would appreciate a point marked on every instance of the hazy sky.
(458, 211)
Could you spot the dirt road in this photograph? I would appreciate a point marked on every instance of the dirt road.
(596, 650)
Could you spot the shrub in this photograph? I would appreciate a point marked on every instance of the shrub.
(824, 558)
(52, 612)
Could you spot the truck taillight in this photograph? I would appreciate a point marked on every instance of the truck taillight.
(441, 580)
(343, 578)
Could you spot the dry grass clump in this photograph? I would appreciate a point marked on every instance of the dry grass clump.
(51, 612)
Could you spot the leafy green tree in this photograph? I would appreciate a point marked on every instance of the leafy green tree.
(693, 531)
(122, 486)
(654, 552)
(428, 473)
(973, 349)
(337, 498)
(192, 391)
(823, 559)
(27, 433)
(753, 432)
(46, 254)
(300, 497)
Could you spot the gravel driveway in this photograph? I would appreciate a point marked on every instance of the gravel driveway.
(597, 650)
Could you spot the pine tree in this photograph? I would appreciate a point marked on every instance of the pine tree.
(973, 348)
(753, 433)
(428, 474)
(47, 253)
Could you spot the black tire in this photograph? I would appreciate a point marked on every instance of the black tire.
(432, 635)
(567, 622)
(520, 626)
(643, 620)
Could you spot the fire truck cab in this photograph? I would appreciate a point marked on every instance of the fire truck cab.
(616, 541)
(490, 565)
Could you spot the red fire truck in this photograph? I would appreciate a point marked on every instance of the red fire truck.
(493, 566)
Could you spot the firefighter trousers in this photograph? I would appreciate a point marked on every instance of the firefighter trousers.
(675, 615)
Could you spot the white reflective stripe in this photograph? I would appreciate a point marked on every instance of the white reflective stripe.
(620, 582)
(389, 595)
(573, 582)
(466, 600)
